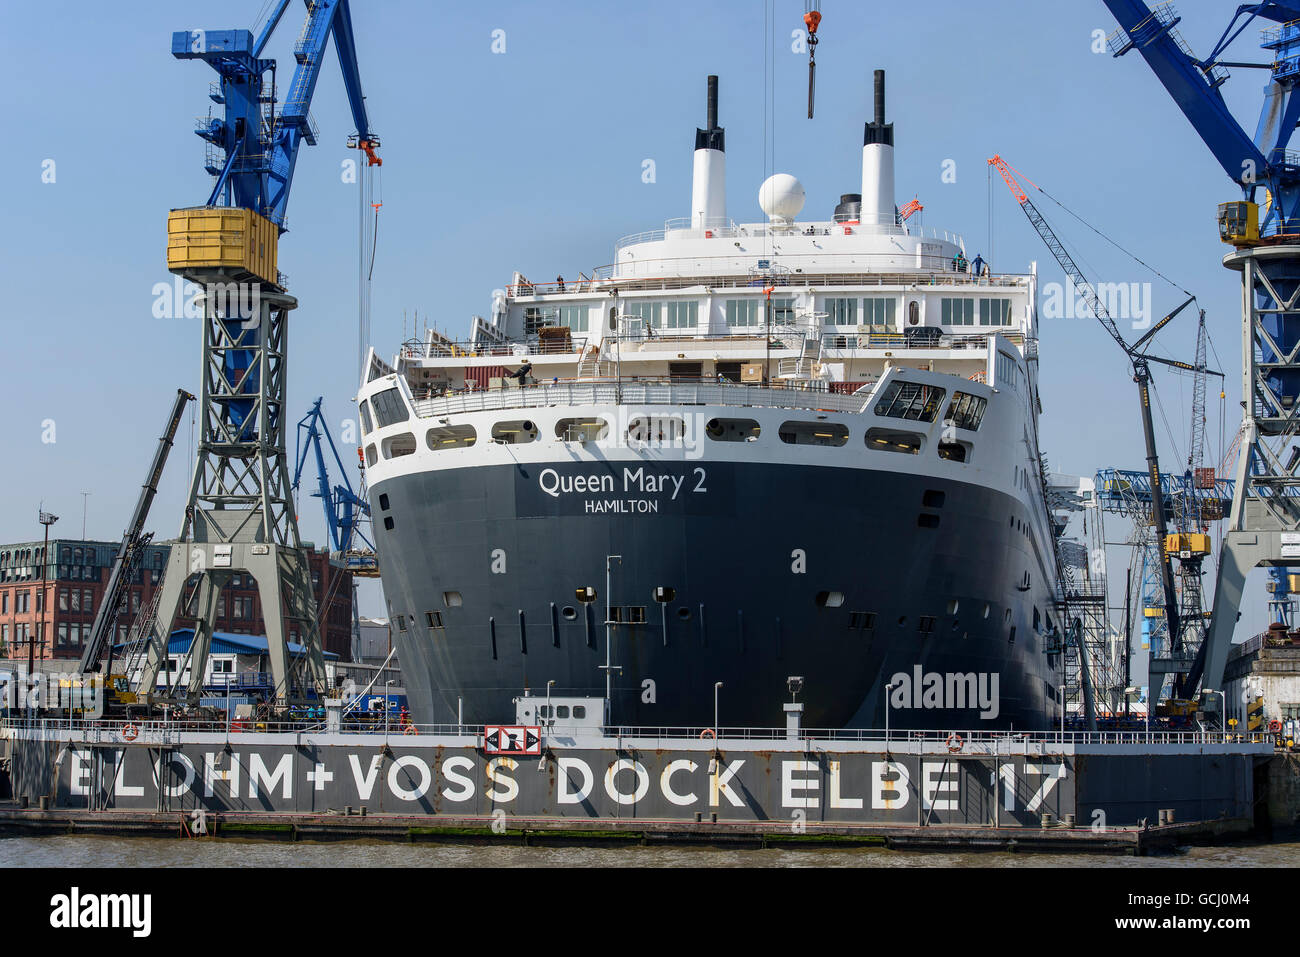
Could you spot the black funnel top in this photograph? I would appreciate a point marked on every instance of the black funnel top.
(712, 138)
(879, 131)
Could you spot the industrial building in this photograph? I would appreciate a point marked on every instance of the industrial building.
(64, 594)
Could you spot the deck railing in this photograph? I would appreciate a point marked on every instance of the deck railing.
(369, 723)
(630, 391)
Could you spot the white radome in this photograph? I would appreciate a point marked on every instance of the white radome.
(781, 197)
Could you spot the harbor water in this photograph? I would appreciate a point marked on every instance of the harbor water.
(86, 851)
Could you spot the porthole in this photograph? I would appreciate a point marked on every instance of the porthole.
(684, 614)
(814, 433)
(733, 430)
(902, 621)
(953, 605)
(830, 599)
(452, 599)
(569, 612)
(581, 430)
(450, 437)
(514, 432)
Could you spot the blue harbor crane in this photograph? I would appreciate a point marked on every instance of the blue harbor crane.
(1264, 229)
(345, 510)
(240, 516)
(260, 146)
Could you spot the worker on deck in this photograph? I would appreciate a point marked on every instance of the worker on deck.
(959, 263)
(559, 283)
(977, 267)
(522, 373)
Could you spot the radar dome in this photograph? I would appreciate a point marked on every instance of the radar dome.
(781, 197)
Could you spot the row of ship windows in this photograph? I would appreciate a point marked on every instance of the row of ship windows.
(636, 615)
(899, 400)
(877, 311)
(668, 429)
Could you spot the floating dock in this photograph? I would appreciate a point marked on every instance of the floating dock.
(1119, 792)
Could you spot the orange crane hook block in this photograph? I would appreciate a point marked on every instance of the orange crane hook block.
(812, 19)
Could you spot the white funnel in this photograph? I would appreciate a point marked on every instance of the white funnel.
(709, 177)
(878, 207)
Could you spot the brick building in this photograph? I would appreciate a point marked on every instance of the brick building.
(70, 586)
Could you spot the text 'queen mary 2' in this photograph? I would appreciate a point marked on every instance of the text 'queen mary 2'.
(814, 445)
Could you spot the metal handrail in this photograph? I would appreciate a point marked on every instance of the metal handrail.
(374, 724)
(937, 273)
(639, 392)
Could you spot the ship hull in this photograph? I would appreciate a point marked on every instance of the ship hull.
(849, 578)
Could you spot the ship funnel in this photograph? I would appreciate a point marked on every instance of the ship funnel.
(709, 178)
(878, 165)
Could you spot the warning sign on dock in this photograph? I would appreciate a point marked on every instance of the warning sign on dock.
(512, 739)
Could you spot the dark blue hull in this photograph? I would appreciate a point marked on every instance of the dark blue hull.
(844, 577)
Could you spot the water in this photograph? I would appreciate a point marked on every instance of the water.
(90, 851)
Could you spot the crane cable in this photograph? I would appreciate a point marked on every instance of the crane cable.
(1126, 252)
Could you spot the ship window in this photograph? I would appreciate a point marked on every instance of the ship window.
(538, 317)
(569, 612)
(926, 625)
(732, 430)
(814, 433)
(910, 400)
(579, 710)
(656, 428)
(966, 411)
(682, 314)
(581, 430)
(925, 520)
(830, 599)
(434, 618)
(366, 424)
(401, 623)
(647, 312)
(388, 523)
(841, 312)
(862, 620)
(383, 501)
(575, 316)
(399, 445)
(780, 312)
(561, 710)
(451, 437)
(389, 407)
(515, 432)
(995, 312)
(627, 614)
(890, 440)
(452, 599)
(933, 498)
(1011, 638)
(878, 313)
(954, 451)
(742, 313)
(958, 312)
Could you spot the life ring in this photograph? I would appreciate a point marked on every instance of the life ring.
(410, 729)
(1275, 726)
(130, 731)
(955, 742)
(708, 733)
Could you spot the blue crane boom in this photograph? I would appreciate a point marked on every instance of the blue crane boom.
(258, 147)
(1251, 162)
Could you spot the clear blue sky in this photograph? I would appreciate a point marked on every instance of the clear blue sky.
(532, 160)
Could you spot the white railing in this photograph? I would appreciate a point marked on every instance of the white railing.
(612, 392)
(373, 724)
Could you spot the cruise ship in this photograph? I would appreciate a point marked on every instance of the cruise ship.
(745, 460)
